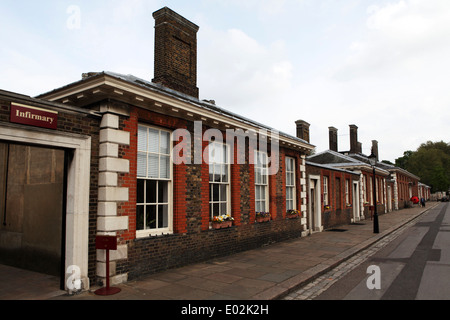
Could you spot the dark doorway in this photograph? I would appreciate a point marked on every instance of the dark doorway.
(32, 210)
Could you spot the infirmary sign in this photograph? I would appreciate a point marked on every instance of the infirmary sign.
(33, 116)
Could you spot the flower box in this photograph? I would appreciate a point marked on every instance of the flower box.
(262, 217)
(222, 221)
(292, 214)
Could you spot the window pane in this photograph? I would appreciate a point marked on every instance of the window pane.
(163, 191)
(217, 173)
(140, 191)
(142, 139)
(151, 191)
(263, 206)
(216, 192)
(258, 176)
(165, 167)
(163, 218)
(141, 164)
(223, 193)
(225, 154)
(140, 218)
(151, 217)
(224, 173)
(153, 140)
(211, 153)
(153, 165)
(211, 173)
(258, 193)
(223, 208)
(165, 142)
(216, 209)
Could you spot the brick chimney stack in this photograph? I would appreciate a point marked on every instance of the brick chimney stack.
(302, 130)
(355, 146)
(375, 148)
(175, 52)
(333, 134)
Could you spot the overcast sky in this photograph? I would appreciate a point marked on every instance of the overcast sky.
(382, 65)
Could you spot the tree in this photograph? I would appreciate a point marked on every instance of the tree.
(431, 162)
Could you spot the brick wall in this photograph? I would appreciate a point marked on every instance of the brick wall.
(193, 240)
(335, 215)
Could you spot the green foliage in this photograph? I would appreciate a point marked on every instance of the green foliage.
(431, 162)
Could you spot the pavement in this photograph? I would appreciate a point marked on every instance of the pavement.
(267, 273)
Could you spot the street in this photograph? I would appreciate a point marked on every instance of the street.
(413, 264)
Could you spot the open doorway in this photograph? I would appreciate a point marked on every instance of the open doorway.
(356, 202)
(32, 209)
(315, 205)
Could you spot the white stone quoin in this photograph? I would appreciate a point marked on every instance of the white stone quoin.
(110, 194)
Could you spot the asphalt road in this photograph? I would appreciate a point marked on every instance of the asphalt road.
(413, 266)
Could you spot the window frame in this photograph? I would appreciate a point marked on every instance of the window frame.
(227, 184)
(326, 201)
(291, 186)
(347, 192)
(142, 233)
(264, 172)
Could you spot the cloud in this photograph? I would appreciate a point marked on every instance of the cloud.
(245, 72)
(401, 37)
(402, 70)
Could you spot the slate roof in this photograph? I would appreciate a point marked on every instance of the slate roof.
(156, 87)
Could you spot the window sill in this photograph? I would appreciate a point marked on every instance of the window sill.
(152, 234)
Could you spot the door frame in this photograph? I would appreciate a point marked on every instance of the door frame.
(315, 223)
(78, 148)
(356, 202)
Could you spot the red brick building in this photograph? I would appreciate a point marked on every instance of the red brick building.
(160, 205)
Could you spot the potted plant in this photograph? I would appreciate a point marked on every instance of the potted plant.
(262, 216)
(222, 221)
(227, 221)
(217, 222)
(292, 214)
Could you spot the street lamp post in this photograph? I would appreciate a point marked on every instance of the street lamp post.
(373, 162)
